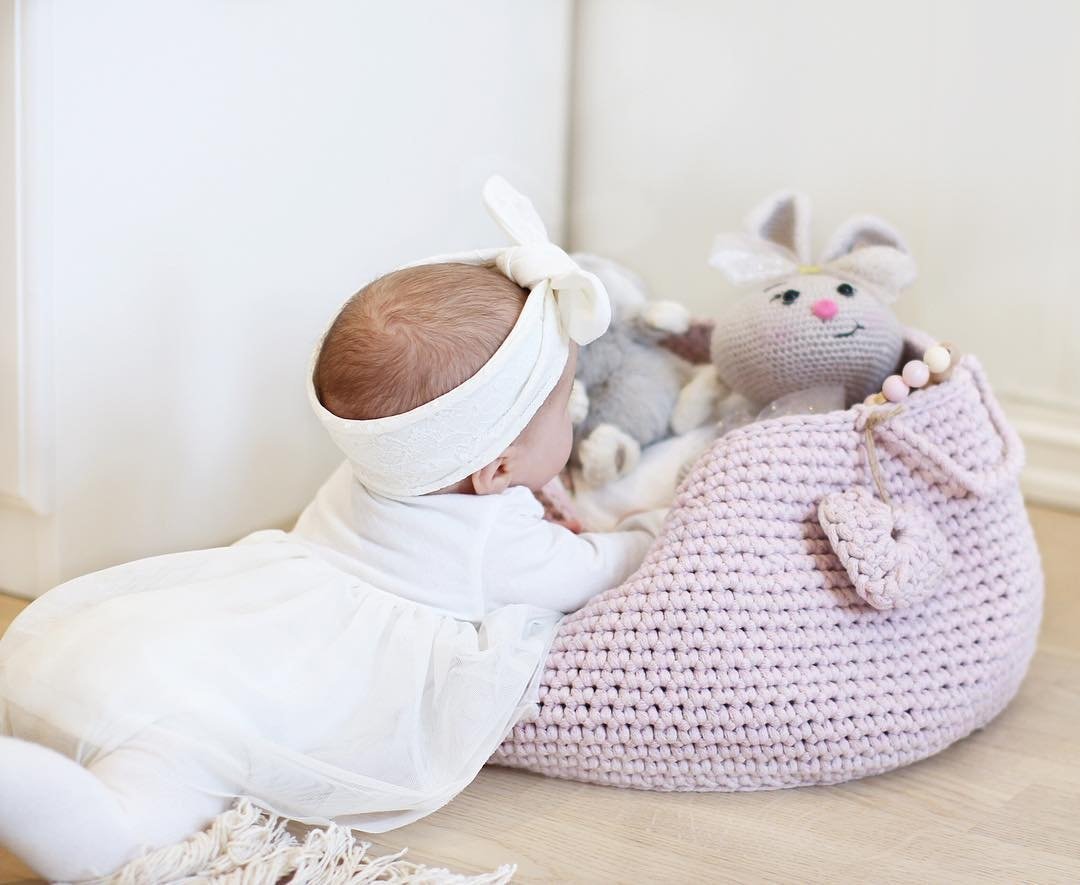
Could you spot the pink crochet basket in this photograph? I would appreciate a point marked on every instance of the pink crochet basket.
(739, 657)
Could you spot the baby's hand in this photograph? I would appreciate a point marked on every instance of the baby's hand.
(558, 508)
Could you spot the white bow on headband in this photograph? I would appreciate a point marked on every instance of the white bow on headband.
(442, 442)
(584, 307)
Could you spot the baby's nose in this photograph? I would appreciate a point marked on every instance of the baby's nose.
(824, 309)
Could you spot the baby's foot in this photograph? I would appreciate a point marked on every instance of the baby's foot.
(57, 817)
(607, 454)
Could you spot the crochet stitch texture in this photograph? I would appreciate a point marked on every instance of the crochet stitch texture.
(739, 657)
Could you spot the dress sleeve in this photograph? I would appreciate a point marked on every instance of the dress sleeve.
(528, 560)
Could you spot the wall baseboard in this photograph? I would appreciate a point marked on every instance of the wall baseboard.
(1050, 430)
(28, 557)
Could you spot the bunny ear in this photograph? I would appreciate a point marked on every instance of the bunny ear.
(784, 219)
(885, 269)
(514, 212)
(861, 231)
(746, 259)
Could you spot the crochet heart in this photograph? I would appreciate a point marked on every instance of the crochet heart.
(895, 556)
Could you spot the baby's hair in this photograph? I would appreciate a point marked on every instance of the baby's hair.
(413, 335)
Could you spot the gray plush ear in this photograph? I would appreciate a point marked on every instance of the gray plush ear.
(885, 269)
(627, 290)
(784, 219)
(859, 232)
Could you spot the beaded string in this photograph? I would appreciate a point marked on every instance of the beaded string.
(871, 450)
(933, 368)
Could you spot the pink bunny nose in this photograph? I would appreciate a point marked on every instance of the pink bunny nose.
(824, 309)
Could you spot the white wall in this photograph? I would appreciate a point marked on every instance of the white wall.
(9, 306)
(209, 181)
(959, 121)
(200, 183)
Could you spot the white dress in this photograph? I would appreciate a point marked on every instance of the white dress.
(361, 668)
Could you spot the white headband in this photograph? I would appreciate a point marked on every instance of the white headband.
(449, 438)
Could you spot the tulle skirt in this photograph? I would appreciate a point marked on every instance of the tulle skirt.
(277, 676)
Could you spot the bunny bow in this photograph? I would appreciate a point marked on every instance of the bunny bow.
(777, 246)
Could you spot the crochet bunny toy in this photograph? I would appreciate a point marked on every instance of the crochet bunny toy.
(802, 326)
(626, 384)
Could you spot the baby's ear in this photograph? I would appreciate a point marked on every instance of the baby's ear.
(886, 269)
(783, 219)
(493, 478)
(745, 259)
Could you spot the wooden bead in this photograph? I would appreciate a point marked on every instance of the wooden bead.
(937, 359)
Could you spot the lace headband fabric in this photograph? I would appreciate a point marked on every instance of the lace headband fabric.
(444, 441)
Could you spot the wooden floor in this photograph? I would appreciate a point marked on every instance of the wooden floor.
(1002, 805)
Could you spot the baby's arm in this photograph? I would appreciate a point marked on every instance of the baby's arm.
(531, 561)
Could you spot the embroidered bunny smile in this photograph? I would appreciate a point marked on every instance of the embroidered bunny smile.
(858, 326)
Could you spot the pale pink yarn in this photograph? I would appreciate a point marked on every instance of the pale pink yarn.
(895, 556)
(739, 657)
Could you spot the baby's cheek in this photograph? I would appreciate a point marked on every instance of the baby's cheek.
(566, 443)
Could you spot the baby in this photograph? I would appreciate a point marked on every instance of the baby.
(363, 667)
(404, 341)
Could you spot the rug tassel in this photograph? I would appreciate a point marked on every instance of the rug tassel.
(248, 846)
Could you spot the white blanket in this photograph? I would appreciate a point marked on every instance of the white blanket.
(650, 486)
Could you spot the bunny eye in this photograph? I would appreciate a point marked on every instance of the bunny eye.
(788, 297)
(845, 289)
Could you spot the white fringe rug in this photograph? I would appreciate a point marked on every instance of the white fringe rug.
(247, 846)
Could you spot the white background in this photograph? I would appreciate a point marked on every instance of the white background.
(215, 179)
(202, 183)
(957, 120)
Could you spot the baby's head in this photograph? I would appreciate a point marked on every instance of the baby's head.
(418, 333)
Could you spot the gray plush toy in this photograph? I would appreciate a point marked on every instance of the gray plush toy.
(626, 384)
